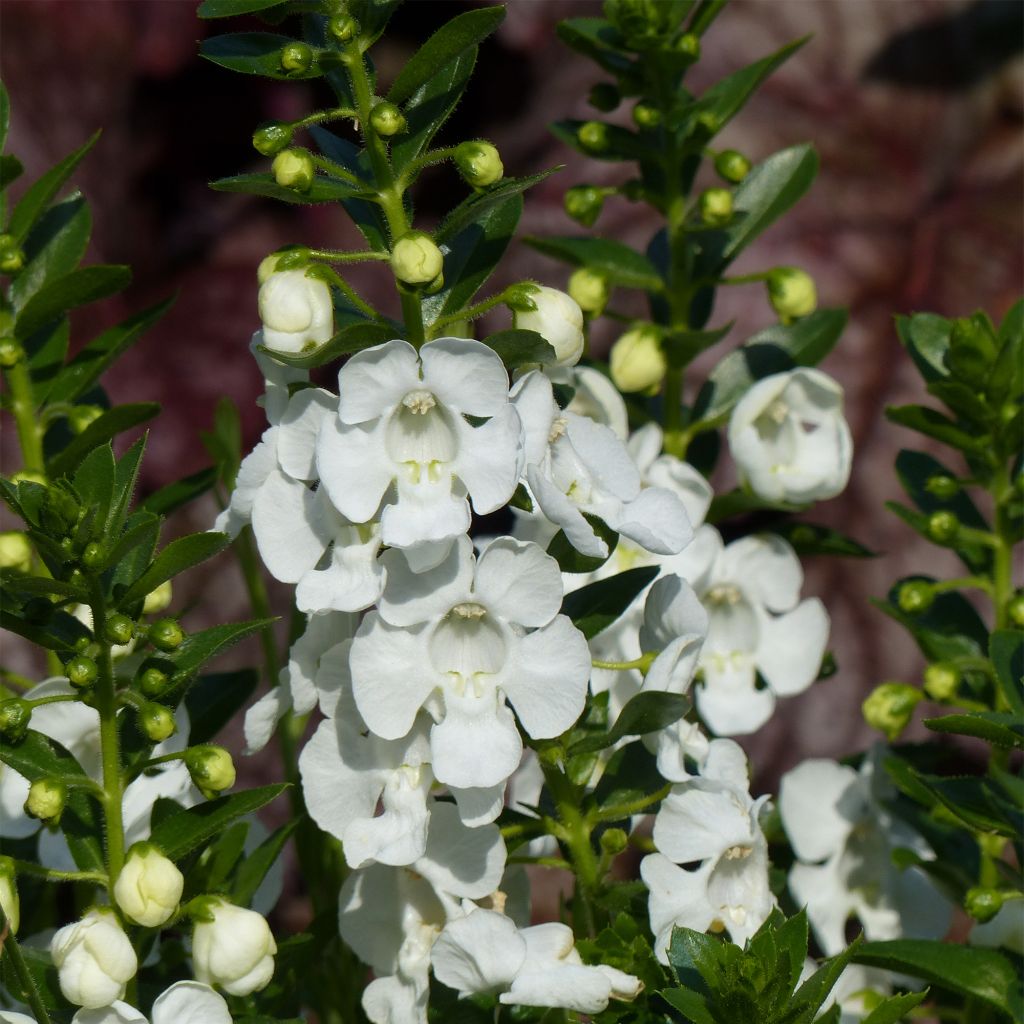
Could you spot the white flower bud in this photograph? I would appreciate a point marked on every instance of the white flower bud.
(9, 903)
(149, 887)
(416, 260)
(157, 600)
(792, 293)
(94, 959)
(15, 551)
(637, 362)
(558, 319)
(234, 948)
(296, 310)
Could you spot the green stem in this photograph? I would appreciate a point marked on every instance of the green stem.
(1002, 556)
(436, 156)
(471, 312)
(631, 807)
(9, 945)
(335, 256)
(23, 407)
(963, 583)
(56, 698)
(323, 116)
(336, 170)
(28, 867)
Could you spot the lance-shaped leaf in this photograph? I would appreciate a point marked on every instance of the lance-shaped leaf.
(597, 39)
(1001, 730)
(521, 348)
(231, 8)
(597, 605)
(179, 555)
(77, 288)
(353, 338)
(54, 247)
(617, 262)
(181, 492)
(200, 647)
(99, 432)
(472, 207)
(38, 196)
(324, 189)
(255, 53)
(932, 423)
(646, 712)
(619, 143)
(214, 699)
(448, 42)
(1006, 649)
(926, 336)
(255, 867)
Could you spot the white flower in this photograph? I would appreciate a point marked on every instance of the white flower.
(459, 634)
(402, 441)
(789, 438)
(1005, 930)
(234, 950)
(576, 465)
(756, 626)
(854, 984)
(558, 319)
(484, 952)
(844, 838)
(711, 820)
(149, 886)
(185, 1002)
(596, 397)
(94, 959)
(296, 310)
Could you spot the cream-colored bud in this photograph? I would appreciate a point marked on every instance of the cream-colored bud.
(637, 361)
(149, 887)
(296, 310)
(9, 903)
(558, 319)
(792, 293)
(157, 600)
(211, 768)
(232, 947)
(293, 168)
(589, 290)
(46, 799)
(94, 959)
(416, 260)
(15, 551)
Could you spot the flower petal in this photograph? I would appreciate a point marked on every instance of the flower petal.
(519, 582)
(352, 580)
(604, 456)
(478, 953)
(290, 531)
(561, 511)
(479, 805)
(461, 861)
(729, 702)
(412, 597)
(677, 897)
(465, 375)
(792, 646)
(656, 520)
(375, 380)
(490, 459)
(477, 743)
(262, 718)
(190, 1002)
(307, 411)
(820, 803)
(353, 466)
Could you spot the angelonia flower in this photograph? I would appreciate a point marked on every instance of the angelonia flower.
(558, 319)
(232, 947)
(296, 309)
(184, 1002)
(149, 887)
(94, 958)
(789, 438)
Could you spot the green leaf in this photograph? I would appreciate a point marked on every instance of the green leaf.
(143, 531)
(59, 633)
(893, 1009)
(597, 605)
(255, 867)
(981, 974)
(926, 336)
(597, 39)
(223, 855)
(621, 144)
(571, 560)
(231, 8)
(44, 975)
(991, 726)
(812, 539)
(181, 492)
(814, 991)
(521, 348)
(617, 262)
(38, 196)
(5, 114)
(933, 424)
(254, 53)
(77, 288)
(773, 350)
(94, 484)
(471, 256)
(648, 711)
(726, 98)
(975, 801)
(186, 831)
(99, 432)
(47, 350)
(448, 42)
(99, 354)
(126, 476)
(14, 582)
(739, 502)
(323, 189)
(213, 700)
(179, 555)
(11, 169)
(472, 207)
(200, 647)
(430, 106)
(53, 248)
(690, 1004)
(1006, 649)
(353, 338)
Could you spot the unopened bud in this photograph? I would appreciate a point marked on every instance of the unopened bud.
(343, 28)
(149, 887)
(716, 206)
(943, 527)
(296, 58)
(12, 259)
(1015, 610)
(232, 947)
(272, 137)
(792, 293)
(211, 768)
(688, 44)
(156, 722)
(416, 260)
(943, 487)
(479, 163)
(915, 597)
(11, 353)
(983, 904)
(95, 960)
(152, 680)
(82, 415)
(589, 290)
(557, 319)
(941, 681)
(15, 716)
(157, 600)
(583, 203)
(614, 841)
(60, 511)
(9, 903)
(386, 119)
(81, 671)
(646, 116)
(166, 635)
(293, 168)
(46, 799)
(93, 556)
(889, 708)
(593, 136)
(119, 629)
(732, 165)
(604, 97)
(637, 362)
(15, 551)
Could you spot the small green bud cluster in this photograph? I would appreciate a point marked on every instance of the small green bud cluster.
(12, 259)
(119, 629)
(646, 115)
(943, 527)
(11, 353)
(593, 136)
(688, 44)
(643, 23)
(82, 415)
(583, 203)
(15, 716)
(386, 119)
(82, 671)
(156, 722)
(166, 635)
(154, 677)
(343, 28)
(983, 904)
(941, 681)
(889, 708)
(1015, 610)
(943, 487)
